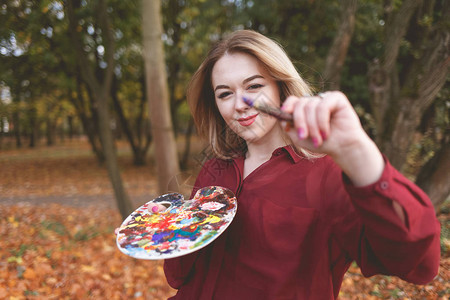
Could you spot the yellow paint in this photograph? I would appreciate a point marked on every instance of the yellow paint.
(211, 219)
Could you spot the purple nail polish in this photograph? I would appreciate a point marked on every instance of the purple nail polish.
(301, 133)
(323, 135)
(155, 209)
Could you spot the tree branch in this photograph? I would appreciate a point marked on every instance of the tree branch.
(84, 65)
(338, 50)
(396, 27)
(108, 36)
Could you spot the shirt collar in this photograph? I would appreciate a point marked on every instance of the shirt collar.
(289, 149)
(295, 157)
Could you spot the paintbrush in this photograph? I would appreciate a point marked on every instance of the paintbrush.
(267, 109)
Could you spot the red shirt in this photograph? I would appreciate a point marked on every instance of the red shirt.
(299, 225)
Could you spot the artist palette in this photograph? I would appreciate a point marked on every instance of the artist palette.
(184, 227)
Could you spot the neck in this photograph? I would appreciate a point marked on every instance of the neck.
(261, 150)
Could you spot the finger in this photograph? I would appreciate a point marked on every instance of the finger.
(299, 119)
(311, 121)
(289, 104)
(116, 231)
(323, 115)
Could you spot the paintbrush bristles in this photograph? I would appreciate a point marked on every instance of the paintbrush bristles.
(267, 109)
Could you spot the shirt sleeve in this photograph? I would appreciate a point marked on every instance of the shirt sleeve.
(387, 245)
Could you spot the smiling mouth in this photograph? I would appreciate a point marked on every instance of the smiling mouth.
(247, 121)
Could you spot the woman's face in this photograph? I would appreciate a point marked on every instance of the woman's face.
(239, 75)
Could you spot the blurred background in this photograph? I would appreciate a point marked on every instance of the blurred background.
(94, 122)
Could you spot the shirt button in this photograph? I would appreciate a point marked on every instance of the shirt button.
(384, 185)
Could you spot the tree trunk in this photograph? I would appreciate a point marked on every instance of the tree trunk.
(338, 51)
(398, 101)
(106, 137)
(33, 126)
(383, 74)
(16, 128)
(156, 81)
(49, 132)
(187, 146)
(2, 125)
(100, 91)
(70, 125)
(434, 177)
(88, 123)
(138, 148)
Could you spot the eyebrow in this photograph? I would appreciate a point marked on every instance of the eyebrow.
(252, 77)
(221, 86)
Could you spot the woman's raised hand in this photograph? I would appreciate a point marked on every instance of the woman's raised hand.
(327, 123)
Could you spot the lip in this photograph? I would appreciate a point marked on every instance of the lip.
(247, 121)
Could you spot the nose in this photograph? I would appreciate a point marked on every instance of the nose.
(239, 104)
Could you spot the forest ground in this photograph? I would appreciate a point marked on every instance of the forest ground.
(57, 220)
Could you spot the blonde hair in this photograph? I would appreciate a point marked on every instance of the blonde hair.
(225, 143)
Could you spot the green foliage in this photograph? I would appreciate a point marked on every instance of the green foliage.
(54, 226)
(188, 34)
(21, 251)
(396, 293)
(445, 229)
(376, 292)
(86, 234)
(39, 66)
(31, 71)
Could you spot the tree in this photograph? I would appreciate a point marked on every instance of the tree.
(435, 176)
(156, 81)
(399, 97)
(402, 92)
(141, 139)
(128, 88)
(339, 48)
(31, 71)
(100, 91)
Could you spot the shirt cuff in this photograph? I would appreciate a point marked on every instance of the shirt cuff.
(383, 186)
(374, 201)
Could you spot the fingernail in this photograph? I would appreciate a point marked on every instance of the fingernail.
(282, 108)
(323, 135)
(315, 142)
(155, 209)
(301, 133)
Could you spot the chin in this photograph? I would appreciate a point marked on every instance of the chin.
(250, 136)
(254, 132)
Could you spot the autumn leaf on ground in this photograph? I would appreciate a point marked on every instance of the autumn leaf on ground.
(57, 217)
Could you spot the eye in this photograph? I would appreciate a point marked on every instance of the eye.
(224, 94)
(255, 86)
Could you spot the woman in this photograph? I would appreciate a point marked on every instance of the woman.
(312, 196)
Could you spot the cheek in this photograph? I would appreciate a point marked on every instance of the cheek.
(267, 121)
(274, 95)
(225, 110)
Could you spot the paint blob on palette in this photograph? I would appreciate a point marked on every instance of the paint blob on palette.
(184, 227)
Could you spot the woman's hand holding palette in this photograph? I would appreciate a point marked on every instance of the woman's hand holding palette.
(184, 227)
